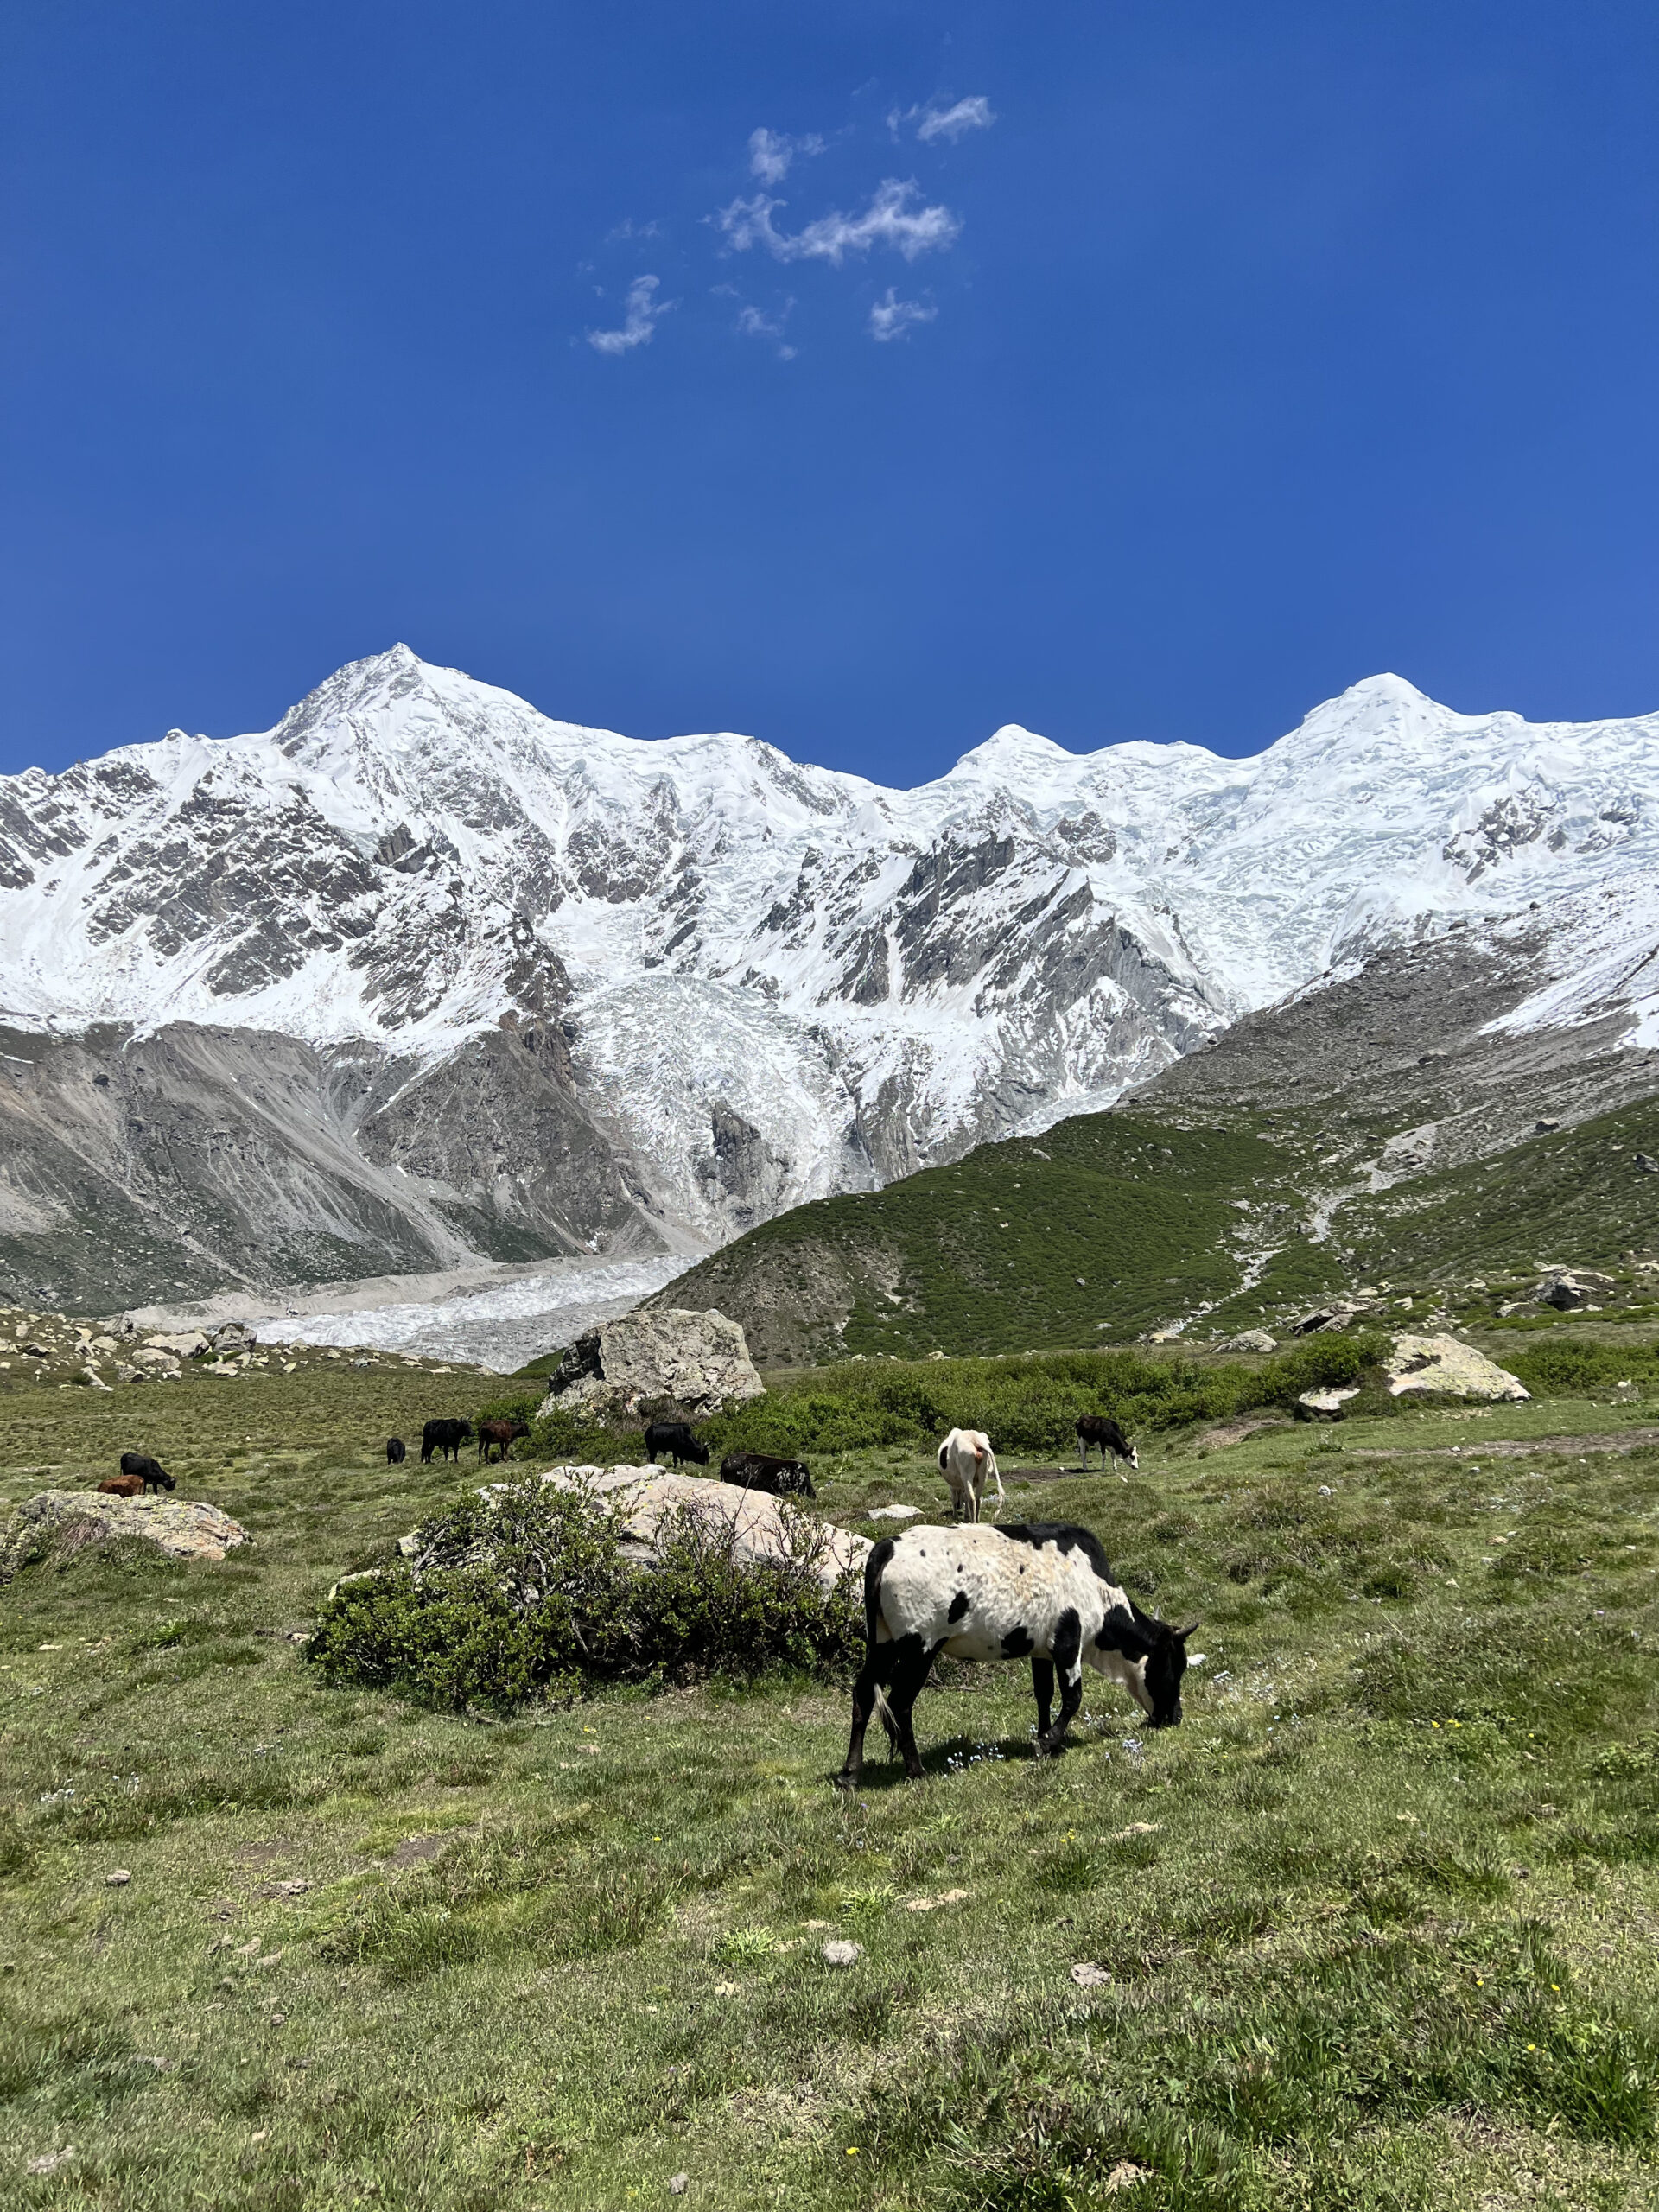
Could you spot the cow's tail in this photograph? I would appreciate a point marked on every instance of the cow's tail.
(992, 1471)
(884, 1714)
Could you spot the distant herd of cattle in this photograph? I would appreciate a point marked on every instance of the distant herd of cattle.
(1039, 1590)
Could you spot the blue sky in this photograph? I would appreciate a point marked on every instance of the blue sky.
(1126, 368)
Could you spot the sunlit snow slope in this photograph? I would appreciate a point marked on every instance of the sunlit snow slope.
(749, 981)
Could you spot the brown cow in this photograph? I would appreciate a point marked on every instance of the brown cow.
(499, 1434)
(123, 1486)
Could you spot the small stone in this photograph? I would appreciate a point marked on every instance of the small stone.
(296, 1889)
(678, 2184)
(842, 1954)
(1087, 1975)
(52, 2161)
(894, 1513)
(119, 1879)
(1124, 2174)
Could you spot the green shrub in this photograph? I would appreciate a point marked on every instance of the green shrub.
(1562, 1368)
(705, 1609)
(528, 1597)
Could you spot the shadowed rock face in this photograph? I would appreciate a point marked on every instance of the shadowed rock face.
(192, 1159)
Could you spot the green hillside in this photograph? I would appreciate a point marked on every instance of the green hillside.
(1112, 1225)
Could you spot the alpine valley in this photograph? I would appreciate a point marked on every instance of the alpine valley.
(420, 978)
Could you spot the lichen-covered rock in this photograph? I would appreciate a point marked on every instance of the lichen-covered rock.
(1325, 1405)
(763, 1528)
(1249, 1340)
(183, 1528)
(1442, 1365)
(698, 1361)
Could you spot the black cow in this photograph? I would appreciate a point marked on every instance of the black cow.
(445, 1437)
(152, 1476)
(397, 1451)
(1096, 1428)
(673, 1437)
(760, 1471)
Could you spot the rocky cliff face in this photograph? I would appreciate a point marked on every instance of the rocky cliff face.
(420, 974)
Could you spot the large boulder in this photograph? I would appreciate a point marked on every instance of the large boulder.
(1447, 1368)
(1568, 1288)
(1249, 1340)
(763, 1527)
(183, 1528)
(698, 1362)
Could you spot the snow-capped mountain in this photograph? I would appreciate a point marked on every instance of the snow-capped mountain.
(741, 981)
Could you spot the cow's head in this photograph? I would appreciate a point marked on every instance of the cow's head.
(1166, 1664)
(1149, 1658)
(1133, 1456)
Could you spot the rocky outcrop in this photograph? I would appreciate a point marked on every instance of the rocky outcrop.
(763, 1529)
(1255, 1340)
(695, 1361)
(1569, 1289)
(69, 1520)
(1442, 1367)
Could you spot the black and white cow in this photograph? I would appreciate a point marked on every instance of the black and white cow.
(1036, 1589)
(1100, 1429)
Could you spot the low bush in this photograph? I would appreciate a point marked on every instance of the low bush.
(528, 1597)
(1563, 1369)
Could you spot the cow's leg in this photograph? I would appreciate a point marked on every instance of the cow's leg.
(1083, 1450)
(1042, 1684)
(1068, 1660)
(911, 1662)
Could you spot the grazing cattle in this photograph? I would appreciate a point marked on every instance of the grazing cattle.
(760, 1471)
(498, 1433)
(444, 1436)
(397, 1451)
(123, 1486)
(967, 1462)
(673, 1437)
(1096, 1428)
(150, 1474)
(1041, 1590)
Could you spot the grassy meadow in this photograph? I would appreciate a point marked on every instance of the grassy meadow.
(1375, 1929)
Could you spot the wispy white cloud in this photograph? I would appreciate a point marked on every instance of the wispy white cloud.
(933, 121)
(752, 323)
(893, 318)
(640, 320)
(890, 219)
(629, 228)
(771, 153)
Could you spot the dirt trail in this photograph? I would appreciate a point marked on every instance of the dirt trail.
(1509, 1447)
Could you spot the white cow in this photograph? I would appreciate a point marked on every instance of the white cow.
(967, 1462)
(1041, 1590)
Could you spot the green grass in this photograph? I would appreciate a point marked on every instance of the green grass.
(1104, 1227)
(1378, 1919)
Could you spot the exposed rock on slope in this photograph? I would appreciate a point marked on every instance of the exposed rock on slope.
(183, 1528)
(697, 1360)
(1442, 1366)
